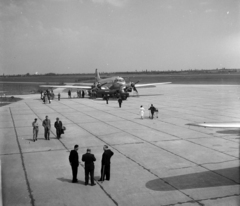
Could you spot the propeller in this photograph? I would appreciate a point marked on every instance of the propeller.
(97, 86)
(133, 86)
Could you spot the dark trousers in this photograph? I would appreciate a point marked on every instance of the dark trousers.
(46, 133)
(74, 172)
(105, 171)
(89, 171)
(58, 132)
(152, 112)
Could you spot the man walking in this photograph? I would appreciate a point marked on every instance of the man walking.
(120, 101)
(89, 159)
(73, 159)
(152, 110)
(35, 129)
(105, 170)
(58, 126)
(107, 98)
(47, 127)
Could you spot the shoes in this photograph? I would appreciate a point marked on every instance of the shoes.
(86, 184)
(74, 181)
(100, 180)
(93, 184)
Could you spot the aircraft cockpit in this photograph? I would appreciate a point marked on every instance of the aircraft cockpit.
(120, 80)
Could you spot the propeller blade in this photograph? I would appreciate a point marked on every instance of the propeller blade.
(135, 89)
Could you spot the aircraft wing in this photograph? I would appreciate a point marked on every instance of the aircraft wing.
(217, 125)
(150, 85)
(67, 86)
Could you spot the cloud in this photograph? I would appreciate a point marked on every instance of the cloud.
(116, 3)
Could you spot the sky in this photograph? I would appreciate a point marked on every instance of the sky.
(77, 36)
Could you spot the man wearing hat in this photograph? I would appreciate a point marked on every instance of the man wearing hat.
(58, 126)
(47, 127)
(105, 170)
(89, 159)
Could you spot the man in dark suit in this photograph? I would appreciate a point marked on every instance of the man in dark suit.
(120, 101)
(58, 126)
(47, 127)
(73, 159)
(105, 170)
(152, 109)
(89, 159)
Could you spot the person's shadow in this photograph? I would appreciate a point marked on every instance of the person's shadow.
(96, 178)
(70, 181)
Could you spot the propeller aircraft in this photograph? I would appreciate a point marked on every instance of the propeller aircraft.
(113, 86)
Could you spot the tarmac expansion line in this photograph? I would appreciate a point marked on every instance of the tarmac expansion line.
(32, 200)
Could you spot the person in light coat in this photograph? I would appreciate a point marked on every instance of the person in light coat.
(142, 111)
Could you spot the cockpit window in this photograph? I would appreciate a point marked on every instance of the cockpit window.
(120, 79)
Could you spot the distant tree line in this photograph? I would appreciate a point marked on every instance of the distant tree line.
(189, 71)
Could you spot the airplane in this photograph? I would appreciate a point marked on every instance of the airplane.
(113, 86)
(217, 125)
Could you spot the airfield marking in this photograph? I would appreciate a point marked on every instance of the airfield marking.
(23, 164)
(187, 140)
(201, 165)
(115, 202)
(196, 201)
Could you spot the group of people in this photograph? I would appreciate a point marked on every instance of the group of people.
(152, 110)
(47, 128)
(89, 167)
(47, 96)
(80, 94)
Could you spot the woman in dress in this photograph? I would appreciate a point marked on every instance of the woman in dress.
(142, 111)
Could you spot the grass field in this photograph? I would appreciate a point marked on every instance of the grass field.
(33, 87)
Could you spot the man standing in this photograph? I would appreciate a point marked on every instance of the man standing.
(35, 129)
(58, 126)
(105, 170)
(59, 96)
(89, 159)
(107, 98)
(152, 110)
(69, 94)
(73, 159)
(120, 101)
(47, 127)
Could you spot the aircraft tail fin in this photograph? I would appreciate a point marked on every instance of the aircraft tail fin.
(97, 76)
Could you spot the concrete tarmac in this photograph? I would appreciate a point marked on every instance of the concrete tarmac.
(156, 162)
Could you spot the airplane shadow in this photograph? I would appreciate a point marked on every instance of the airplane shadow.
(196, 180)
(233, 132)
